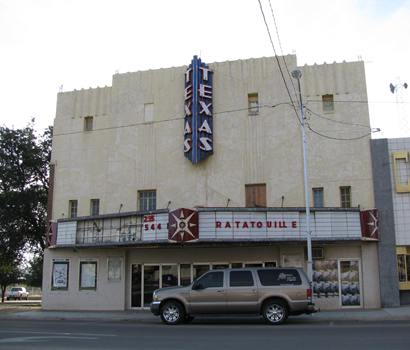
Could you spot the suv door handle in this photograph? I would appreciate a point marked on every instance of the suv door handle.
(219, 291)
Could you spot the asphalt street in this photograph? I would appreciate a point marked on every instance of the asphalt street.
(202, 334)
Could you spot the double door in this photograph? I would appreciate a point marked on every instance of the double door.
(146, 278)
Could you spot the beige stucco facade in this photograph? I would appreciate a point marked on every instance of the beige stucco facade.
(129, 150)
(124, 154)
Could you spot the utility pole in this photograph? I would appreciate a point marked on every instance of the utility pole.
(297, 74)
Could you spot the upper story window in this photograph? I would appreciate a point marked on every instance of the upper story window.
(94, 207)
(147, 200)
(345, 197)
(328, 103)
(148, 112)
(253, 103)
(255, 195)
(318, 201)
(72, 208)
(88, 123)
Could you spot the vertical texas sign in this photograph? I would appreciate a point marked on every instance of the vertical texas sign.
(198, 121)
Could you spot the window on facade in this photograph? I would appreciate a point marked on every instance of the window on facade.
(240, 279)
(212, 280)
(148, 112)
(403, 261)
(253, 103)
(88, 275)
(72, 208)
(147, 200)
(255, 195)
(345, 197)
(327, 103)
(94, 207)
(88, 123)
(318, 197)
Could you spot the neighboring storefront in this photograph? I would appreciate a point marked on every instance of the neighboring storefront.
(391, 173)
(132, 254)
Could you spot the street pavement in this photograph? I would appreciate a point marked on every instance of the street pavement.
(202, 334)
(34, 312)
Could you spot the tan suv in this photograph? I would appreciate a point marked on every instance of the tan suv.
(273, 292)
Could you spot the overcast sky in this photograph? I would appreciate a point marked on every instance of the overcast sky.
(81, 43)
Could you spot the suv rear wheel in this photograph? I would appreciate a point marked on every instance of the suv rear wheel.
(275, 311)
(172, 312)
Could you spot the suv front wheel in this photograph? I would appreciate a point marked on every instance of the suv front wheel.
(172, 312)
(275, 311)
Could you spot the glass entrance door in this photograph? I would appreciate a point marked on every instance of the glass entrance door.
(136, 284)
(151, 282)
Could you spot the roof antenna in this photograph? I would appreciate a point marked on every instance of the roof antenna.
(169, 203)
(119, 211)
(282, 201)
(227, 202)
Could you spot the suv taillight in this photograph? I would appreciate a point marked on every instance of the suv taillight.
(308, 293)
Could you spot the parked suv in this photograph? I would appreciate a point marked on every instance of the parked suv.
(18, 293)
(273, 292)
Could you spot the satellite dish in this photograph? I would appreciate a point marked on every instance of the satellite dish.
(392, 88)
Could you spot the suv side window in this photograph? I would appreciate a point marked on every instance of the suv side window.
(240, 279)
(279, 277)
(212, 279)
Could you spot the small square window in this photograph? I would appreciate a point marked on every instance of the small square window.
(255, 195)
(147, 200)
(88, 123)
(253, 103)
(345, 197)
(318, 197)
(328, 104)
(72, 208)
(94, 207)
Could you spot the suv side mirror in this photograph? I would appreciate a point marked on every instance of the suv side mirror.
(198, 286)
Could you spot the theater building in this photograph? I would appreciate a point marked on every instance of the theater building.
(171, 172)
(392, 194)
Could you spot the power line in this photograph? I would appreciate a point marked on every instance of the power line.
(341, 138)
(355, 101)
(335, 121)
(279, 66)
(170, 119)
(281, 49)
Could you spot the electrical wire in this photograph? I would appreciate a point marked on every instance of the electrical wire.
(278, 62)
(356, 101)
(335, 121)
(281, 49)
(170, 119)
(341, 138)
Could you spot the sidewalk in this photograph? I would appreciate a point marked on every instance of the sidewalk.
(144, 316)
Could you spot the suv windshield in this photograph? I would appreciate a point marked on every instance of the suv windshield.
(16, 289)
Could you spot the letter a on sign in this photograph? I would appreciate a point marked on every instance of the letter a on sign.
(205, 127)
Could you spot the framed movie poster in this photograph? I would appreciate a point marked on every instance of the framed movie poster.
(350, 282)
(114, 268)
(59, 279)
(88, 275)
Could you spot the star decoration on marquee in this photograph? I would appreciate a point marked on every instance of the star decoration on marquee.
(183, 225)
(373, 224)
